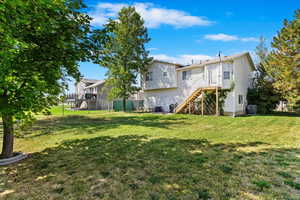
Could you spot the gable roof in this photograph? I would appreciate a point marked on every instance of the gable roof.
(223, 59)
(166, 62)
(85, 80)
(97, 83)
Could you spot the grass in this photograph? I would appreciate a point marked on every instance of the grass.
(109, 155)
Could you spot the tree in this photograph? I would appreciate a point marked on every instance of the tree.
(120, 48)
(263, 94)
(41, 42)
(283, 63)
(261, 49)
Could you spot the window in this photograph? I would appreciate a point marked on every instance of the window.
(186, 75)
(226, 75)
(149, 76)
(165, 74)
(241, 101)
(212, 77)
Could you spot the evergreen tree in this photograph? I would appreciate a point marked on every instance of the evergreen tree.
(283, 63)
(263, 94)
(120, 48)
(261, 49)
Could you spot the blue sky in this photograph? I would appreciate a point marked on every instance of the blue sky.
(187, 30)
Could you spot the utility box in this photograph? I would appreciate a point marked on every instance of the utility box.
(252, 109)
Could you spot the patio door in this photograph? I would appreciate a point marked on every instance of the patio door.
(212, 76)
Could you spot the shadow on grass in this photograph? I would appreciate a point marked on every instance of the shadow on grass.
(276, 114)
(94, 123)
(1, 129)
(286, 114)
(136, 167)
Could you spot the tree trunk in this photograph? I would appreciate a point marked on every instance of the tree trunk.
(8, 136)
(124, 104)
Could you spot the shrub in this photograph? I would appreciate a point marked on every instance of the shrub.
(265, 98)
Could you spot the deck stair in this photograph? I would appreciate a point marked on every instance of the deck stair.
(188, 104)
(189, 100)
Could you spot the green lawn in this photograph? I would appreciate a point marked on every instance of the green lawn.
(109, 155)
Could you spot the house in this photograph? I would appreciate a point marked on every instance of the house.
(92, 94)
(81, 85)
(168, 84)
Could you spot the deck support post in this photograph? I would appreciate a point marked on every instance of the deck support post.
(217, 102)
(202, 103)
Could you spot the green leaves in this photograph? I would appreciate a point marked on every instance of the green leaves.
(41, 42)
(283, 63)
(120, 48)
(263, 94)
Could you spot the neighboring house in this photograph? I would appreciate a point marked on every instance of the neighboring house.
(81, 85)
(98, 95)
(93, 95)
(168, 83)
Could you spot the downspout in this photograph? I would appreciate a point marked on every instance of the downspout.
(234, 104)
(220, 82)
(221, 74)
(97, 96)
(233, 93)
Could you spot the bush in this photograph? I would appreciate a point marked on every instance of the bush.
(265, 98)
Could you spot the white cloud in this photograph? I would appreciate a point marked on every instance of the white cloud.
(182, 59)
(153, 16)
(237, 51)
(249, 39)
(220, 37)
(103, 11)
(226, 38)
(152, 49)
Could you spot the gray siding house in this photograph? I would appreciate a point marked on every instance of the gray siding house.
(168, 83)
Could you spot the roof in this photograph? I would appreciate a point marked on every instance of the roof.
(166, 62)
(222, 59)
(85, 80)
(97, 83)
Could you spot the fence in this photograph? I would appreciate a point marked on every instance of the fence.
(94, 102)
(131, 105)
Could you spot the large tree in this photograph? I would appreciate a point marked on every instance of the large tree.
(121, 49)
(283, 63)
(41, 42)
(262, 52)
(263, 93)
